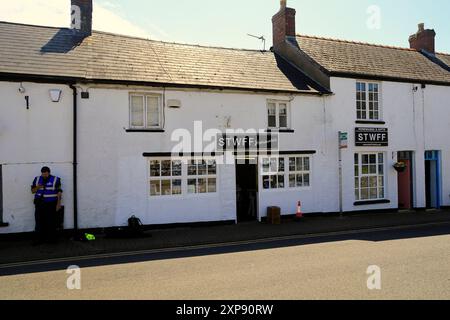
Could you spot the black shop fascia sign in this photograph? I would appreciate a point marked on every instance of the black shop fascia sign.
(372, 137)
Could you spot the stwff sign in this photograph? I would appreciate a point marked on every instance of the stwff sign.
(372, 137)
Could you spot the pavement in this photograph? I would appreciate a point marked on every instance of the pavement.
(22, 251)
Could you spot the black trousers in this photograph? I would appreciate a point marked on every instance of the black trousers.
(46, 221)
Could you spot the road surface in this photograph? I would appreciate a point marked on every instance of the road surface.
(414, 264)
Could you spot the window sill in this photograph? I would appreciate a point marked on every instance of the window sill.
(280, 130)
(145, 130)
(4, 225)
(370, 202)
(371, 122)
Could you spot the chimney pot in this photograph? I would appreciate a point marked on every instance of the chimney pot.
(421, 27)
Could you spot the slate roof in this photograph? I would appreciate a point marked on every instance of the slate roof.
(52, 52)
(444, 58)
(353, 59)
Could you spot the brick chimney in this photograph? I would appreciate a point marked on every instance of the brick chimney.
(81, 17)
(283, 24)
(424, 39)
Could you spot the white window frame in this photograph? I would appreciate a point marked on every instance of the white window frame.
(208, 176)
(300, 172)
(359, 176)
(274, 172)
(184, 177)
(144, 97)
(367, 102)
(277, 114)
(162, 178)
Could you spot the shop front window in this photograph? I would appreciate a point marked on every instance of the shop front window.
(369, 176)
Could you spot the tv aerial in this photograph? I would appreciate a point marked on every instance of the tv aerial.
(262, 38)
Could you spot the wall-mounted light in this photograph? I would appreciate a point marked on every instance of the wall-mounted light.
(55, 95)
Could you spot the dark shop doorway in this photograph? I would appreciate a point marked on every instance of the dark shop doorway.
(247, 190)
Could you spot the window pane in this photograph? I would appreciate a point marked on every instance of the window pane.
(273, 182)
(281, 181)
(266, 165)
(356, 183)
(306, 164)
(306, 180)
(154, 168)
(365, 159)
(273, 165)
(202, 186)
(373, 181)
(373, 169)
(380, 181)
(272, 115)
(165, 187)
(166, 168)
(281, 165)
(292, 183)
(283, 115)
(266, 182)
(176, 187)
(299, 164)
(283, 122)
(292, 164)
(155, 188)
(212, 185)
(364, 182)
(381, 193)
(373, 193)
(365, 169)
(272, 122)
(202, 168)
(357, 194)
(212, 167)
(192, 168)
(364, 194)
(137, 111)
(176, 168)
(192, 186)
(152, 111)
(299, 180)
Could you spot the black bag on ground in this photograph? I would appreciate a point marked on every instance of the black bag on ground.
(135, 227)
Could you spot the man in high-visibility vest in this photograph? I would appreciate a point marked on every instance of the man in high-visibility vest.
(47, 200)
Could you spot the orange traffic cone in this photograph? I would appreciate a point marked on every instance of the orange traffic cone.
(299, 213)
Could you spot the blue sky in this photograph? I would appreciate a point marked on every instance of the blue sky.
(226, 23)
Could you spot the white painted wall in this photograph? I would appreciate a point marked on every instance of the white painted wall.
(113, 183)
(30, 139)
(417, 121)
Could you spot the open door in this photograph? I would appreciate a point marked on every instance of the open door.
(247, 189)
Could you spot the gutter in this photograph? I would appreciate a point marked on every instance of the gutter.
(75, 159)
(12, 77)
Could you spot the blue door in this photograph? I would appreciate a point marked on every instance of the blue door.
(433, 180)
